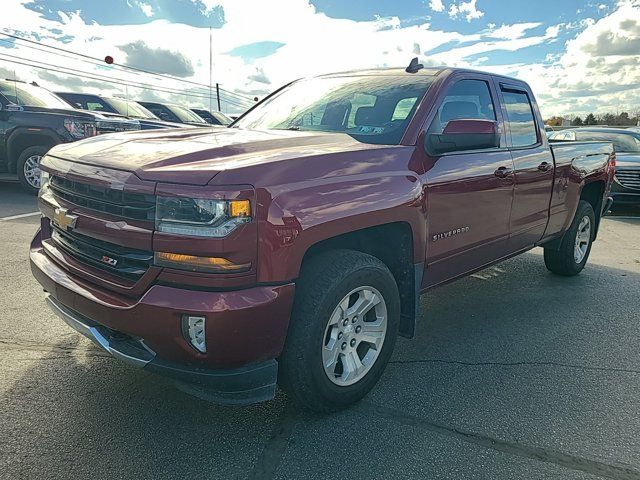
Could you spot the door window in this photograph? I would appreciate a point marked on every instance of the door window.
(466, 99)
(520, 118)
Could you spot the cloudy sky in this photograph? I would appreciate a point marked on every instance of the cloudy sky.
(579, 56)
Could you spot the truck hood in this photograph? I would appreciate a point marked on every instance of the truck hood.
(66, 112)
(195, 155)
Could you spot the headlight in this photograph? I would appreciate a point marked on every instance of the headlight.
(44, 179)
(79, 129)
(198, 217)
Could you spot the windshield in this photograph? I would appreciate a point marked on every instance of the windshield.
(622, 142)
(372, 109)
(27, 95)
(184, 114)
(222, 118)
(130, 108)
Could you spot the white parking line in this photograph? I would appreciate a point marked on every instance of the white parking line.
(22, 215)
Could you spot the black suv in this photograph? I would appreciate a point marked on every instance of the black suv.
(128, 108)
(32, 120)
(214, 118)
(171, 112)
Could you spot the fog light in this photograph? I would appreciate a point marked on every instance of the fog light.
(193, 329)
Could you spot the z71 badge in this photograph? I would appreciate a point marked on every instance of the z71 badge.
(450, 233)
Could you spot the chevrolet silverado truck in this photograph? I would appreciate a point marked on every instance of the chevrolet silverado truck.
(292, 247)
(32, 120)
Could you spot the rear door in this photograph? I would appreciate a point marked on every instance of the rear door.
(469, 193)
(534, 167)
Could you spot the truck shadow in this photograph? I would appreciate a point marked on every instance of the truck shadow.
(81, 414)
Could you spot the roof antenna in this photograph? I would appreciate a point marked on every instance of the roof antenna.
(414, 66)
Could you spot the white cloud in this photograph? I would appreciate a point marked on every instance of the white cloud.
(146, 9)
(511, 32)
(436, 5)
(467, 9)
(598, 68)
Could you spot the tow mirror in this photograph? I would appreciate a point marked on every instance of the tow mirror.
(461, 135)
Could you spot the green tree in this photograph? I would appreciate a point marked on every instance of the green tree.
(577, 122)
(590, 119)
(623, 119)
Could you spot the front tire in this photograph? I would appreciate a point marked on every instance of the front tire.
(28, 168)
(343, 329)
(575, 246)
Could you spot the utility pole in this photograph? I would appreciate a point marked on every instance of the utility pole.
(218, 94)
(211, 69)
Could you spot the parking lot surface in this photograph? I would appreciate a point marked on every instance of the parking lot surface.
(515, 374)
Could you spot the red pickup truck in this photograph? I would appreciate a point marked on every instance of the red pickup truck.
(292, 247)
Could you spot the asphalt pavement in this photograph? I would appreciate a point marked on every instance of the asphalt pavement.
(515, 374)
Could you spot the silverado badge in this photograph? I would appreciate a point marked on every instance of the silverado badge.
(63, 219)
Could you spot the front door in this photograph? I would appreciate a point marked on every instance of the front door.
(469, 193)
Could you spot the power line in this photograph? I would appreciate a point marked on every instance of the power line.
(94, 76)
(132, 83)
(83, 74)
(97, 61)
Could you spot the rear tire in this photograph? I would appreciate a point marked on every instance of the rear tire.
(343, 329)
(575, 246)
(28, 168)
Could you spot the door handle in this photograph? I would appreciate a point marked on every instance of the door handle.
(545, 167)
(502, 172)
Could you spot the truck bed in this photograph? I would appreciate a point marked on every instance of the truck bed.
(583, 156)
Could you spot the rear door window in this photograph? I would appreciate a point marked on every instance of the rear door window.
(520, 118)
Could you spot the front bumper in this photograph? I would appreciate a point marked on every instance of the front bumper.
(241, 386)
(245, 331)
(625, 198)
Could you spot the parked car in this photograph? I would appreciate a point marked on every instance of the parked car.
(32, 120)
(214, 118)
(120, 106)
(625, 189)
(293, 247)
(172, 112)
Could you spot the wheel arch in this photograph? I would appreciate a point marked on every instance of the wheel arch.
(593, 193)
(22, 138)
(391, 243)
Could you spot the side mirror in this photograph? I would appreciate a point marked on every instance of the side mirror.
(461, 135)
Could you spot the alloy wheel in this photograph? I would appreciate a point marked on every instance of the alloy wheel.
(354, 336)
(32, 170)
(583, 238)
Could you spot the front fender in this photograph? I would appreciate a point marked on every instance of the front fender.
(316, 210)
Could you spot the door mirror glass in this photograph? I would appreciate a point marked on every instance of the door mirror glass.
(461, 135)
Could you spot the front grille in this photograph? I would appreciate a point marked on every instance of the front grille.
(135, 206)
(629, 178)
(130, 264)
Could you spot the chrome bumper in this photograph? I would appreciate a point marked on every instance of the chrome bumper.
(130, 350)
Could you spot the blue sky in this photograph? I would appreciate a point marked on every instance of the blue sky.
(561, 47)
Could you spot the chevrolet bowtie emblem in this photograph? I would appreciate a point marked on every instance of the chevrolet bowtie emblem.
(63, 219)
